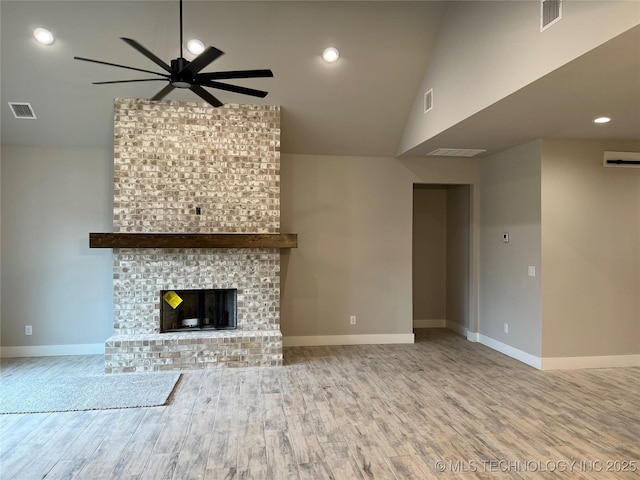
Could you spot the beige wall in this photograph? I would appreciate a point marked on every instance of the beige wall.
(429, 252)
(458, 250)
(51, 199)
(491, 49)
(590, 250)
(510, 202)
(353, 215)
(354, 221)
(441, 253)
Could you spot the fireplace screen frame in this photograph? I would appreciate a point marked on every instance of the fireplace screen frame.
(200, 309)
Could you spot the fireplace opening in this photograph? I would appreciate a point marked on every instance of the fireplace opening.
(184, 310)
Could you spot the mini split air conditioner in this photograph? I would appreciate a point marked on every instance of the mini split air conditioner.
(622, 159)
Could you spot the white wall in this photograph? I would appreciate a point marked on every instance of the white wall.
(51, 199)
(590, 251)
(510, 202)
(487, 50)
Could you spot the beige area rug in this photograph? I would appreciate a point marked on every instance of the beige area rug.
(96, 392)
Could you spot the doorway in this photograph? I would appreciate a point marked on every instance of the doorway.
(441, 280)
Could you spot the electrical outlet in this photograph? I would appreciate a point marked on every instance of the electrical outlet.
(531, 271)
(506, 328)
(353, 319)
(28, 330)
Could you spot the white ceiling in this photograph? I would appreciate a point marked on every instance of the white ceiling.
(357, 106)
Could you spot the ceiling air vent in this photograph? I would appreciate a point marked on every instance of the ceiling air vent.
(22, 110)
(428, 100)
(550, 13)
(455, 152)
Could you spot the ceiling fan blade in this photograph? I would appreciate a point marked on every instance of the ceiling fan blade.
(147, 53)
(202, 60)
(234, 88)
(129, 81)
(119, 66)
(235, 74)
(206, 96)
(163, 93)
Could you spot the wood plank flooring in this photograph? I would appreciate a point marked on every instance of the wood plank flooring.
(348, 412)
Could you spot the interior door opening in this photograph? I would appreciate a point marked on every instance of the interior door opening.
(441, 257)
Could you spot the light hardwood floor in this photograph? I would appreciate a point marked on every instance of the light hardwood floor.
(350, 412)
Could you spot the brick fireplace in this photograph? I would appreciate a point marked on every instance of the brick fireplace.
(189, 168)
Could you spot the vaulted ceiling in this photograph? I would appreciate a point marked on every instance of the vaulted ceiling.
(356, 106)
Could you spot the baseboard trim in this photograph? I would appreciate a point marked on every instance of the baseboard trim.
(549, 363)
(605, 361)
(52, 350)
(318, 340)
(456, 327)
(436, 323)
(561, 363)
(510, 351)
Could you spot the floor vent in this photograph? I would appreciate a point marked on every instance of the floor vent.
(455, 152)
(550, 13)
(22, 110)
(428, 100)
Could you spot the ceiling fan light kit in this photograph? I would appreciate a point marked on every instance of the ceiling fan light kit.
(186, 74)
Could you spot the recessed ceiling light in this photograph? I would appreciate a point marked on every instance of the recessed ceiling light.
(330, 54)
(195, 46)
(602, 120)
(43, 36)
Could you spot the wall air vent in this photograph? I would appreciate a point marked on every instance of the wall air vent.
(455, 152)
(622, 159)
(22, 110)
(428, 100)
(550, 13)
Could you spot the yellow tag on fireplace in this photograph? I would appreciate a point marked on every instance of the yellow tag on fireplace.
(172, 298)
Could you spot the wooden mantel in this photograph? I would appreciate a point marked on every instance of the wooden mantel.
(193, 240)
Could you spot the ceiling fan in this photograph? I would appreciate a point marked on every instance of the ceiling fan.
(185, 74)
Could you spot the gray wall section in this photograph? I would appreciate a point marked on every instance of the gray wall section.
(51, 199)
(429, 252)
(458, 282)
(590, 250)
(510, 202)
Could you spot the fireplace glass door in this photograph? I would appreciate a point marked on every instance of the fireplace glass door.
(185, 310)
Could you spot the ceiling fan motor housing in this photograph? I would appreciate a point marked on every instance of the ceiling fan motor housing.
(181, 78)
